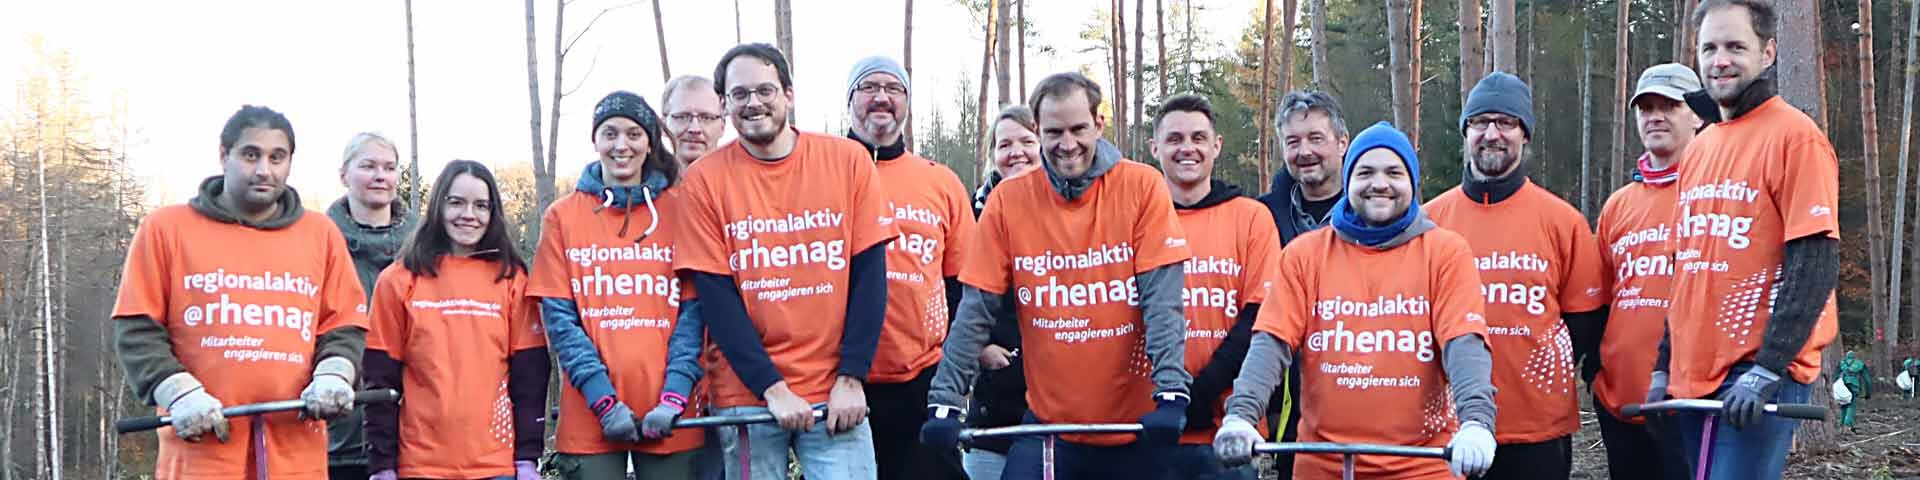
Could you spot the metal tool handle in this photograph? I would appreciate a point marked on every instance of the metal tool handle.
(141, 424)
(735, 420)
(1789, 410)
(1048, 429)
(1352, 449)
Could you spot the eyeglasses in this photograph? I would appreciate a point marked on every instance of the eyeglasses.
(1504, 124)
(743, 95)
(686, 118)
(893, 89)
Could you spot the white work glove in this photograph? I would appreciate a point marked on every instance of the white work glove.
(330, 395)
(387, 474)
(1235, 440)
(195, 412)
(1472, 450)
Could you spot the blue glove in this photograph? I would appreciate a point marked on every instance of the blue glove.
(1161, 427)
(942, 430)
(1744, 403)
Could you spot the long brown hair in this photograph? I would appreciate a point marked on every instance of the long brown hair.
(422, 252)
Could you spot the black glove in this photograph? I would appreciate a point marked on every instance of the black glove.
(1161, 427)
(942, 430)
(1656, 391)
(1745, 402)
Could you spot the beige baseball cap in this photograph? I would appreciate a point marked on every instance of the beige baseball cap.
(1671, 80)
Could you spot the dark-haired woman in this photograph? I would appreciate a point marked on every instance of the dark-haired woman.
(453, 331)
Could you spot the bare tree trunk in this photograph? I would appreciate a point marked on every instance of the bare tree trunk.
(1503, 36)
(1586, 121)
(1120, 93)
(46, 459)
(1189, 61)
(783, 32)
(660, 33)
(1139, 75)
(1266, 104)
(907, 57)
(737, 39)
(533, 103)
(1318, 23)
(1002, 69)
(1876, 236)
(1690, 31)
(1900, 187)
(1416, 70)
(1800, 80)
(413, 107)
(1284, 81)
(1397, 43)
(543, 193)
(1160, 37)
(1020, 17)
(1621, 59)
(1472, 51)
(986, 67)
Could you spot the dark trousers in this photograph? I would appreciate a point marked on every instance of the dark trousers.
(896, 411)
(1548, 460)
(347, 472)
(1635, 451)
(1032, 458)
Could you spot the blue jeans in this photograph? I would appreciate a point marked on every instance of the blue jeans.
(1199, 462)
(1759, 452)
(982, 464)
(759, 451)
(1037, 458)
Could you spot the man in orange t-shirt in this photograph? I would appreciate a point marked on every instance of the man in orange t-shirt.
(1383, 312)
(1635, 226)
(1234, 244)
(1538, 263)
(930, 206)
(1754, 250)
(784, 238)
(1091, 252)
(205, 320)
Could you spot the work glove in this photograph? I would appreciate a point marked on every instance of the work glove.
(1235, 440)
(659, 422)
(1656, 392)
(330, 394)
(1161, 427)
(942, 430)
(1744, 403)
(387, 474)
(616, 420)
(195, 412)
(526, 470)
(1472, 449)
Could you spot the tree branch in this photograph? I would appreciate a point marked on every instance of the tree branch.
(591, 63)
(589, 27)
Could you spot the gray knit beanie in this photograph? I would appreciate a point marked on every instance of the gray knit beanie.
(876, 64)
(1500, 92)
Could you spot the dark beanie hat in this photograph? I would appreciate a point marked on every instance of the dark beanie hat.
(1500, 92)
(622, 103)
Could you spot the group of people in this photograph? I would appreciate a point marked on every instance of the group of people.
(843, 285)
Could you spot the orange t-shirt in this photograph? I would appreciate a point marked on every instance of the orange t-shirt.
(786, 231)
(453, 334)
(1070, 267)
(1378, 379)
(1537, 259)
(1635, 226)
(1235, 247)
(629, 302)
(243, 317)
(1747, 186)
(935, 215)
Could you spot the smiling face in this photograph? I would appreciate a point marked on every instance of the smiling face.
(1185, 145)
(755, 100)
(1379, 187)
(1666, 125)
(1068, 132)
(695, 120)
(1731, 55)
(467, 212)
(623, 146)
(1015, 148)
(372, 174)
(1312, 149)
(879, 108)
(256, 168)
(1496, 143)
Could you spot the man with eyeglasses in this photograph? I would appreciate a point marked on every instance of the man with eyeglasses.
(1539, 263)
(695, 120)
(785, 241)
(934, 214)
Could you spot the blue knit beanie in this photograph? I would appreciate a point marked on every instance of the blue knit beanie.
(1500, 92)
(1345, 219)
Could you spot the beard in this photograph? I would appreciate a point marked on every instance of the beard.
(1495, 162)
(777, 122)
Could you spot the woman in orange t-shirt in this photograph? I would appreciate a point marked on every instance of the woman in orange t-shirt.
(452, 330)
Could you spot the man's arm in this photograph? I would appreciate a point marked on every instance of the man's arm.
(733, 333)
(1469, 367)
(960, 361)
(145, 354)
(1225, 364)
(1267, 361)
(1809, 272)
(1586, 329)
(866, 311)
(1162, 310)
